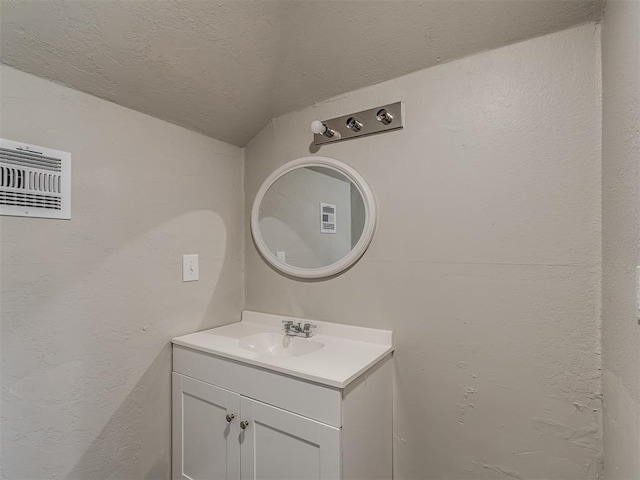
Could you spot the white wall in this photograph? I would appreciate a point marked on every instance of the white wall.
(486, 260)
(621, 237)
(89, 305)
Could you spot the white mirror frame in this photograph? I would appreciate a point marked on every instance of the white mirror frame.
(356, 252)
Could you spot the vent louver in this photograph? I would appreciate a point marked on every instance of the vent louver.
(34, 181)
(327, 218)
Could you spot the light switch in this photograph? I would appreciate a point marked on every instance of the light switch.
(190, 268)
(638, 294)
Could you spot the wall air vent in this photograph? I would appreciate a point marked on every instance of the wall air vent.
(34, 181)
(327, 218)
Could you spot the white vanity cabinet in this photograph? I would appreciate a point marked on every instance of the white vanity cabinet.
(235, 420)
(275, 443)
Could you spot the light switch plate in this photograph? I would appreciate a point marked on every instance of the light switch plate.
(190, 271)
(638, 294)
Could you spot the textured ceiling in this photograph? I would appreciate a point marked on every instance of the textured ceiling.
(225, 68)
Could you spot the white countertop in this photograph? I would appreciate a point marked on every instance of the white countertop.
(348, 351)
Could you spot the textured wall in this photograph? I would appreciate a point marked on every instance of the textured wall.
(89, 305)
(621, 237)
(486, 260)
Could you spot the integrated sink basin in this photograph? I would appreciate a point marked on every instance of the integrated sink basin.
(333, 354)
(279, 344)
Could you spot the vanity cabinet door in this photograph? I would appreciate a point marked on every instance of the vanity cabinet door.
(280, 445)
(205, 443)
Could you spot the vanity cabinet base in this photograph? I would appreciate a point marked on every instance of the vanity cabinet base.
(249, 425)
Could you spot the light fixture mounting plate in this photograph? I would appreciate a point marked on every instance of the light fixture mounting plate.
(380, 119)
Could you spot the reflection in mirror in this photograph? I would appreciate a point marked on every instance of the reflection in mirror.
(311, 217)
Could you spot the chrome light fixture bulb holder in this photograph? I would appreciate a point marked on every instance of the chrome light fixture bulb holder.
(321, 128)
(384, 116)
(354, 124)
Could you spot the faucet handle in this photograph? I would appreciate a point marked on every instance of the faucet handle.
(306, 329)
(287, 325)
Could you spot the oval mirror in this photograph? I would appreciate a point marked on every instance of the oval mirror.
(313, 217)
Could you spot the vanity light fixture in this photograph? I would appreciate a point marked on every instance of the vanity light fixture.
(367, 122)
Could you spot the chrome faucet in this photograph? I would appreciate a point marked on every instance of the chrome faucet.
(297, 329)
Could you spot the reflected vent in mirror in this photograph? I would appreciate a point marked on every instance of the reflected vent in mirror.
(34, 181)
(328, 218)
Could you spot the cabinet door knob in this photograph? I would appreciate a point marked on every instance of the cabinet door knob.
(230, 416)
(244, 424)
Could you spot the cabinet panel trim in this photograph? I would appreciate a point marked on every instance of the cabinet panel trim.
(326, 437)
(230, 401)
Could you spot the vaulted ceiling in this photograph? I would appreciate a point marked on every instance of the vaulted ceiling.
(225, 68)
